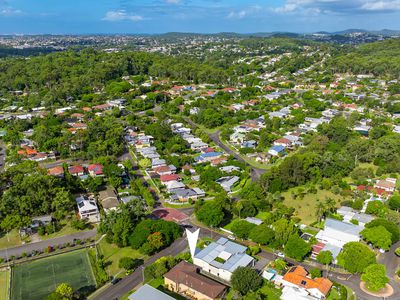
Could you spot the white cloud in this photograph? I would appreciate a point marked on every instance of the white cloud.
(121, 15)
(172, 1)
(9, 12)
(381, 5)
(337, 6)
(244, 12)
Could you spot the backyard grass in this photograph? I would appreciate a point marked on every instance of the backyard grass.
(262, 215)
(306, 207)
(37, 279)
(229, 225)
(4, 284)
(65, 230)
(113, 254)
(12, 240)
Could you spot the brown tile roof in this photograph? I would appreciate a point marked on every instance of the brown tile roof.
(186, 273)
(298, 275)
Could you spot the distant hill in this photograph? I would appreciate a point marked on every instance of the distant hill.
(378, 58)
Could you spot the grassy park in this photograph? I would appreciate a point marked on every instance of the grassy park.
(35, 280)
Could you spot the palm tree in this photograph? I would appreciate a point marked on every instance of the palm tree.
(320, 210)
(330, 204)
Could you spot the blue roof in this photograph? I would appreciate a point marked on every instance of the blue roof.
(277, 148)
(207, 155)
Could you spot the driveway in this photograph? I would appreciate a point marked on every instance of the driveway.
(27, 248)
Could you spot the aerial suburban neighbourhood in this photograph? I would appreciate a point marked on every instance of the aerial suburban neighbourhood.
(140, 165)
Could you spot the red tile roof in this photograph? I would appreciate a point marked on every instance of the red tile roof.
(97, 169)
(75, 169)
(298, 275)
(57, 170)
(169, 177)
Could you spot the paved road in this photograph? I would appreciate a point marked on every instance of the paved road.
(215, 137)
(130, 282)
(27, 248)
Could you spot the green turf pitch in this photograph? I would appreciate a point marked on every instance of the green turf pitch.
(36, 280)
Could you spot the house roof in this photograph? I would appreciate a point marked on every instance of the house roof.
(234, 255)
(57, 170)
(108, 193)
(169, 177)
(96, 169)
(76, 169)
(148, 292)
(298, 275)
(186, 273)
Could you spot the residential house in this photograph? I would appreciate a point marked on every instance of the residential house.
(169, 177)
(95, 170)
(298, 285)
(185, 279)
(57, 171)
(76, 170)
(87, 208)
(227, 182)
(221, 258)
(109, 200)
(147, 292)
(349, 215)
(185, 194)
(163, 170)
(339, 233)
(208, 157)
(277, 151)
(229, 169)
(174, 185)
(388, 184)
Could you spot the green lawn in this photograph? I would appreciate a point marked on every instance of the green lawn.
(65, 230)
(35, 280)
(12, 240)
(4, 284)
(270, 292)
(305, 208)
(262, 215)
(113, 254)
(229, 225)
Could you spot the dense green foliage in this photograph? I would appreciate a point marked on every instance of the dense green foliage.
(297, 248)
(355, 257)
(245, 280)
(375, 277)
(380, 58)
(152, 235)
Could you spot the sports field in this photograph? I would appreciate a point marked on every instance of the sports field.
(4, 284)
(37, 279)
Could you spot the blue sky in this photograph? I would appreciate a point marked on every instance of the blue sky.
(208, 16)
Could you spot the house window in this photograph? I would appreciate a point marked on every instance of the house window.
(303, 282)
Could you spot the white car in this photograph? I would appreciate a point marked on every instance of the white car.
(280, 254)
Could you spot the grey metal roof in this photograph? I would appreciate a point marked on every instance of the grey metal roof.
(238, 257)
(147, 292)
(342, 227)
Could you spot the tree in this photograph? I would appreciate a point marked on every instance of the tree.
(283, 230)
(262, 234)
(315, 272)
(245, 280)
(378, 236)
(242, 228)
(297, 248)
(394, 202)
(145, 163)
(375, 277)
(376, 208)
(210, 213)
(355, 257)
(390, 226)
(127, 263)
(325, 257)
(65, 290)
